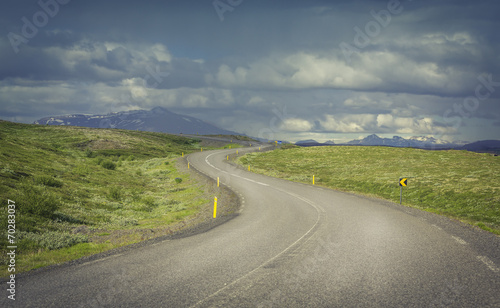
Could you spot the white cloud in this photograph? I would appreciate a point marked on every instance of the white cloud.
(256, 101)
(348, 123)
(406, 125)
(363, 101)
(372, 70)
(36, 93)
(295, 71)
(161, 52)
(385, 120)
(383, 124)
(97, 61)
(461, 38)
(296, 125)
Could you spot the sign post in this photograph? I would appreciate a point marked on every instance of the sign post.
(402, 182)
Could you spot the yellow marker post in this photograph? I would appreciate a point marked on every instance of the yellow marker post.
(227, 157)
(248, 167)
(236, 152)
(259, 148)
(188, 165)
(215, 207)
(201, 149)
(182, 154)
(313, 179)
(217, 181)
(229, 147)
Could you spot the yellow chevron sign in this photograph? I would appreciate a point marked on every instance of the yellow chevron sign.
(403, 182)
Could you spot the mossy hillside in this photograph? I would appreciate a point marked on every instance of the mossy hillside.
(71, 184)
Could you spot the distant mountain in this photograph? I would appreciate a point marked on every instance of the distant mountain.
(307, 143)
(413, 142)
(430, 143)
(485, 146)
(313, 143)
(157, 119)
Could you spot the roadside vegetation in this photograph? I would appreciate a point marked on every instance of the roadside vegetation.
(459, 184)
(80, 191)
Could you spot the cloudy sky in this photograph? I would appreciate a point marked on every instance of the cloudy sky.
(278, 69)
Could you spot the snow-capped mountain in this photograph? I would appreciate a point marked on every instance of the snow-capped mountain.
(397, 141)
(157, 119)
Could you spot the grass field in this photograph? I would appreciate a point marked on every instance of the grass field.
(80, 191)
(459, 184)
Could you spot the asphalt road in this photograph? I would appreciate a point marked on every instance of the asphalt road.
(293, 245)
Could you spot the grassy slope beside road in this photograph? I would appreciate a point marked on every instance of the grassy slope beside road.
(458, 184)
(80, 191)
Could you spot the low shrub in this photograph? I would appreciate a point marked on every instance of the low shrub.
(52, 240)
(37, 200)
(124, 222)
(149, 201)
(178, 180)
(115, 193)
(90, 154)
(48, 181)
(99, 160)
(107, 164)
(26, 245)
(61, 217)
(136, 194)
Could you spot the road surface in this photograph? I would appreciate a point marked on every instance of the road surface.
(292, 245)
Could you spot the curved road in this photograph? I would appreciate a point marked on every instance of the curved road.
(293, 245)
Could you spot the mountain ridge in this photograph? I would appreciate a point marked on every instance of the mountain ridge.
(421, 142)
(158, 119)
(486, 146)
(314, 143)
(412, 142)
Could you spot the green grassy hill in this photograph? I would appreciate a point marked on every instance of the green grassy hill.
(80, 191)
(458, 184)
